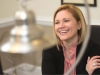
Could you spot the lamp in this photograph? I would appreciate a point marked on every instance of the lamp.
(26, 36)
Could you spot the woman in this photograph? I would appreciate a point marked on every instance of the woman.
(70, 30)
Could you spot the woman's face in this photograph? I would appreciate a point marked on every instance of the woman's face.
(66, 26)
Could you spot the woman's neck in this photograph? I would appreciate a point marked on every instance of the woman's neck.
(70, 43)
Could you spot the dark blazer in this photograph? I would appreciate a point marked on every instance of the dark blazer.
(1, 71)
(53, 60)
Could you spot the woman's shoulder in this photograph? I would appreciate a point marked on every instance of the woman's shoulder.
(90, 44)
(53, 50)
(93, 48)
(93, 44)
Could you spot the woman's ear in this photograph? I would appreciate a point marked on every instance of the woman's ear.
(79, 25)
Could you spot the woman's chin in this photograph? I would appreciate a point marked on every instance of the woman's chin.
(63, 39)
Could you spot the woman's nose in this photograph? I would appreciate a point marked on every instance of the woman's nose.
(62, 24)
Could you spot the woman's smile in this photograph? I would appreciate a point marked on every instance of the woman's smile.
(62, 32)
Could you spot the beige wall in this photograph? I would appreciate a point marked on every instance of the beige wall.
(44, 10)
(8, 8)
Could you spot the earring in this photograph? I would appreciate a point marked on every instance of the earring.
(78, 28)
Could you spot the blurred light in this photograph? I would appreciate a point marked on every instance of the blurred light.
(26, 36)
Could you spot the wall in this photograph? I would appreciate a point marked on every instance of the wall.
(8, 8)
(46, 8)
(43, 9)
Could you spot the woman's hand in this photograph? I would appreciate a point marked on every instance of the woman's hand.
(92, 64)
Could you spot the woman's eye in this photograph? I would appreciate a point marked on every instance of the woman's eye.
(56, 22)
(66, 20)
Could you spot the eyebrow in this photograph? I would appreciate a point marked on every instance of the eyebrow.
(66, 18)
(63, 19)
(56, 20)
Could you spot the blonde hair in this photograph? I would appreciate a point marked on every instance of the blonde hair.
(78, 15)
